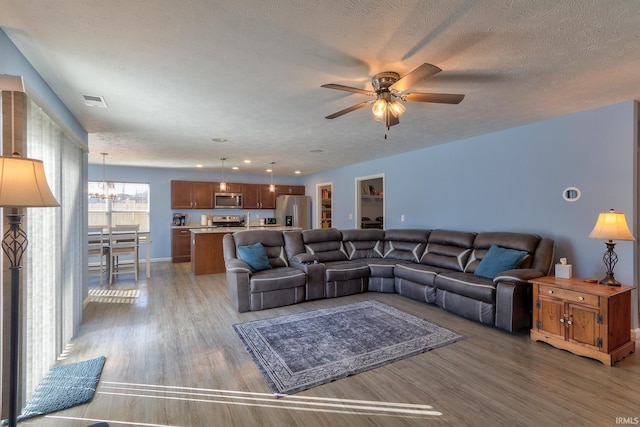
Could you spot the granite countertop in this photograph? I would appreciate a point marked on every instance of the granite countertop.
(195, 226)
(204, 230)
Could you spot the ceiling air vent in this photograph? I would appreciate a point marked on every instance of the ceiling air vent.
(94, 101)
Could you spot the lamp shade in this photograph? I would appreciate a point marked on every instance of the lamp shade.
(611, 225)
(23, 184)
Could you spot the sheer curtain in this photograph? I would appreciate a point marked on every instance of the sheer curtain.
(53, 267)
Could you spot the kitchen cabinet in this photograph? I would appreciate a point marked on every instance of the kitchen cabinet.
(192, 195)
(180, 245)
(292, 190)
(587, 319)
(258, 196)
(206, 253)
(232, 187)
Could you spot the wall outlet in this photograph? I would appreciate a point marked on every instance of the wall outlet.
(402, 218)
(350, 216)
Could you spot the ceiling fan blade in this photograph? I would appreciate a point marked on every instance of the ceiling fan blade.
(418, 74)
(348, 89)
(348, 110)
(442, 98)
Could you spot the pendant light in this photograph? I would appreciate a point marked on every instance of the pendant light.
(272, 188)
(223, 185)
(105, 187)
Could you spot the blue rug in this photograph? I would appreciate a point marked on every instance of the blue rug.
(64, 386)
(304, 350)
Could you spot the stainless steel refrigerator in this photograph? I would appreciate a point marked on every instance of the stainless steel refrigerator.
(294, 211)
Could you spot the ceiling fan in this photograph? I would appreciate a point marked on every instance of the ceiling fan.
(389, 88)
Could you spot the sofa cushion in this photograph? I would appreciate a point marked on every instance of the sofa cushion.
(277, 279)
(448, 249)
(324, 243)
(363, 243)
(405, 244)
(381, 267)
(518, 241)
(417, 273)
(255, 256)
(468, 285)
(498, 259)
(345, 270)
(271, 240)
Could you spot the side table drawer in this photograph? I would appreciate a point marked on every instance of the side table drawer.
(569, 296)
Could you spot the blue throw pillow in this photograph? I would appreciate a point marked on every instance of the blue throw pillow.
(497, 260)
(255, 256)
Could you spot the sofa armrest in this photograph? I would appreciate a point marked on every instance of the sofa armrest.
(518, 275)
(304, 258)
(315, 274)
(237, 265)
(238, 283)
(513, 298)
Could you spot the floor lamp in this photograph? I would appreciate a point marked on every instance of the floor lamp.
(22, 185)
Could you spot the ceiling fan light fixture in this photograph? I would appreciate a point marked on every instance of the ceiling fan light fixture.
(396, 108)
(379, 109)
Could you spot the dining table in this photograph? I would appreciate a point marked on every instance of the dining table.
(144, 237)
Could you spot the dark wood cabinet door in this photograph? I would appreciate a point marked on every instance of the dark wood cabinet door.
(250, 196)
(180, 195)
(267, 198)
(293, 190)
(181, 245)
(202, 195)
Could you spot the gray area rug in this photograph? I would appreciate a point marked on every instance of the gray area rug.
(300, 351)
(64, 386)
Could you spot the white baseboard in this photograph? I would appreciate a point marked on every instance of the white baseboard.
(635, 335)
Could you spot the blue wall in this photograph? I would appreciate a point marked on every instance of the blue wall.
(13, 63)
(513, 180)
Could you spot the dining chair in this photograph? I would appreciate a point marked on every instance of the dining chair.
(121, 243)
(125, 227)
(97, 248)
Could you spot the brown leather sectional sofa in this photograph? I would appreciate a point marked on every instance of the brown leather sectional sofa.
(433, 266)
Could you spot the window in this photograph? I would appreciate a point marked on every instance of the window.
(119, 203)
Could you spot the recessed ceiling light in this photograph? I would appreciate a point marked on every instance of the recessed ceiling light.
(199, 166)
(94, 101)
(247, 161)
(316, 151)
(235, 168)
(269, 170)
(297, 172)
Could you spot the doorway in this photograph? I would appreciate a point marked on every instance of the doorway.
(370, 206)
(324, 195)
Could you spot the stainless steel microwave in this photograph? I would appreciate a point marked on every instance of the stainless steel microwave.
(228, 200)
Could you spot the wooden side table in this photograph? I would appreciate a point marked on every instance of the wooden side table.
(587, 319)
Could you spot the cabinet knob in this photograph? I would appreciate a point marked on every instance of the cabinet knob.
(569, 322)
(562, 320)
(581, 298)
(550, 291)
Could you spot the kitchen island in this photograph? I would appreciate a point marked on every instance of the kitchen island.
(206, 246)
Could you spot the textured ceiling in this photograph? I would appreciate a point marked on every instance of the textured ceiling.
(176, 74)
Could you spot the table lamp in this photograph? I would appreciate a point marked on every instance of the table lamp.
(22, 185)
(611, 226)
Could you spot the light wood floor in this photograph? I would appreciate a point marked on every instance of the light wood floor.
(174, 360)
